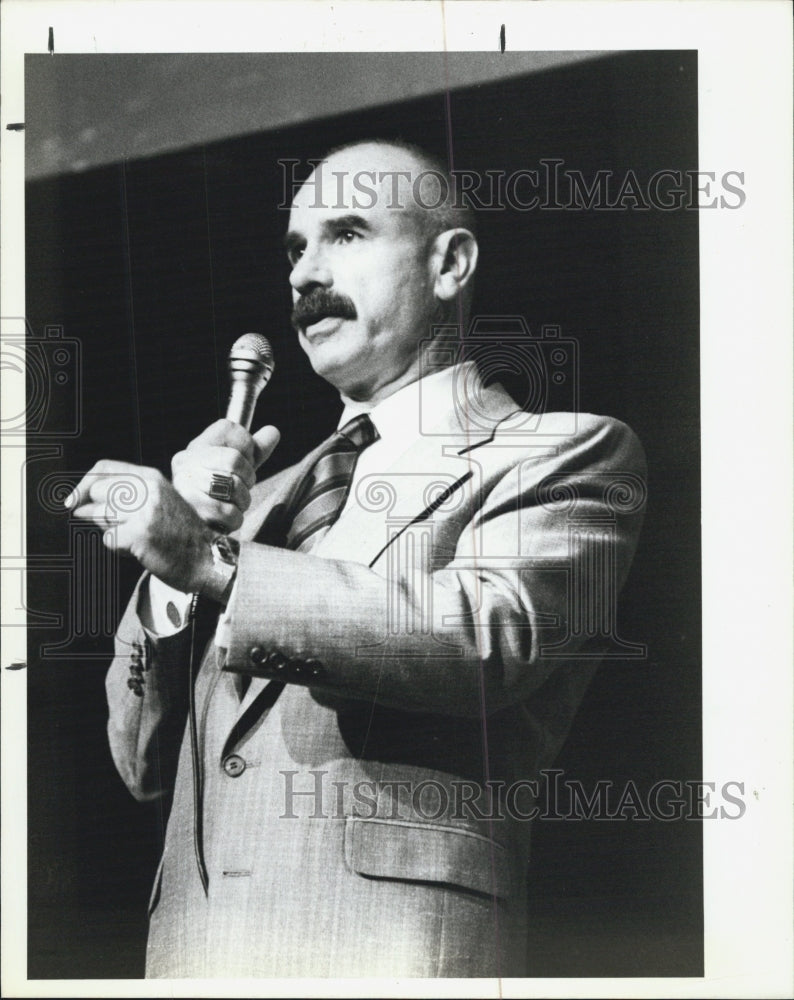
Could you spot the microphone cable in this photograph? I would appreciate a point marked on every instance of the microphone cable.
(195, 754)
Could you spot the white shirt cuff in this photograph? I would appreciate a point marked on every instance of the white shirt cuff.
(162, 610)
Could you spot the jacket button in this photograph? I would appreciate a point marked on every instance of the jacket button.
(234, 765)
(314, 669)
(256, 655)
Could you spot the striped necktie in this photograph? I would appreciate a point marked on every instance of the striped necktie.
(324, 490)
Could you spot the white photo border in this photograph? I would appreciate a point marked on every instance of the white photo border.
(745, 112)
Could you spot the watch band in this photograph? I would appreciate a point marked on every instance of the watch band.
(225, 554)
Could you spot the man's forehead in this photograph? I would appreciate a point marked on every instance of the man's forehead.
(362, 178)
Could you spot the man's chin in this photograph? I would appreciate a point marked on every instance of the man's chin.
(324, 356)
(336, 367)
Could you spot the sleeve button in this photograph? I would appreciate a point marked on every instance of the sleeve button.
(256, 655)
(276, 661)
(314, 669)
(297, 670)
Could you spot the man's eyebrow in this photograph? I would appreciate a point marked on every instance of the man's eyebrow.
(347, 222)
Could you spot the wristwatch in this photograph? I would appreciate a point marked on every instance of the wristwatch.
(225, 554)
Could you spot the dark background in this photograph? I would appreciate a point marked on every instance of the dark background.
(154, 266)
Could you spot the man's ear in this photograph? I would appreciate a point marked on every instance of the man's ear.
(454, 257)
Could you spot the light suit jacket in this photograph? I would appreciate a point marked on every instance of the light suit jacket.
(365, 806)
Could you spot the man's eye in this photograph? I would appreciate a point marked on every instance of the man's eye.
(294, 256)
(346, 235)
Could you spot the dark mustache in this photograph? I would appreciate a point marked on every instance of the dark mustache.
(319, 303)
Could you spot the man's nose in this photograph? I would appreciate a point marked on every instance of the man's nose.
(311, 270)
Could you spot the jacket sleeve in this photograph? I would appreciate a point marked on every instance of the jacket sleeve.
(147, 693)
(544, 551)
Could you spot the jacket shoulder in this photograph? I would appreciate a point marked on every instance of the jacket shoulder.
(615, 437)
(583, 437)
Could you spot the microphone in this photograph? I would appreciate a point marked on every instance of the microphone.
(250, 367)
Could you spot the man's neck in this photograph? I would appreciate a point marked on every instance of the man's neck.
(368, 399)
(415, 404)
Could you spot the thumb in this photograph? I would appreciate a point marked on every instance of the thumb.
(265, 440)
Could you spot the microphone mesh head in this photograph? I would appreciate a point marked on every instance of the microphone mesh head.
(258, 344)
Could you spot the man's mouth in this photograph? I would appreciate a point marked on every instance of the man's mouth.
(323, 324)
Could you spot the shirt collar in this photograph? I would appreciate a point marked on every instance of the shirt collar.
(427, 400)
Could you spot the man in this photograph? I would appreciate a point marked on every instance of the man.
(391, 670)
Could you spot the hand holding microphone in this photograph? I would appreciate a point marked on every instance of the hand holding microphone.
(168, 527)
(218, 468)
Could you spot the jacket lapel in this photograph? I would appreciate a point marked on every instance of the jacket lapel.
(426, 477)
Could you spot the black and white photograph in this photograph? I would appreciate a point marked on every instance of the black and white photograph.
(383, 599)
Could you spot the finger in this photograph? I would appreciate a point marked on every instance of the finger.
(81, 494)
(226, 516)
(265, 441)
(193, 484)
(227, 434)
(202, 462)
(217, 488)
(201, 498)
(99, 513)
(98, 480)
